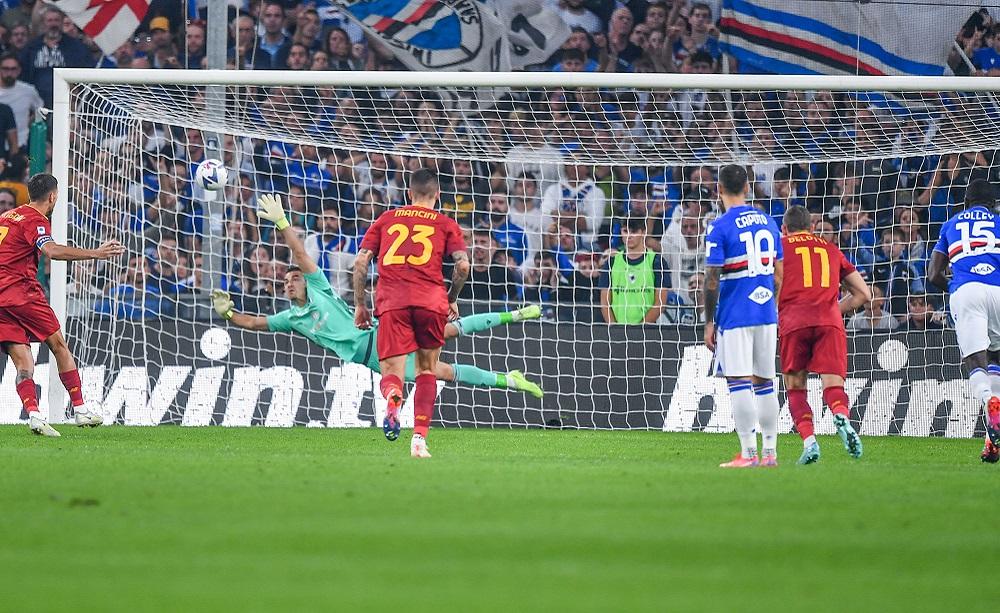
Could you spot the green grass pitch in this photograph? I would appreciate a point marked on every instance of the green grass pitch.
(213, 519)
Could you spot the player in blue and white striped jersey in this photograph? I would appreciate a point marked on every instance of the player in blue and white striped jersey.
(743, 271)
(970, 245)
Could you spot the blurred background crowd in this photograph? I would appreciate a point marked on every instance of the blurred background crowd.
(544, 224)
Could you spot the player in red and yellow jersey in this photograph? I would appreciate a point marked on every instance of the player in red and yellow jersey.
(811, 327)
(25, 317)
(413, 307)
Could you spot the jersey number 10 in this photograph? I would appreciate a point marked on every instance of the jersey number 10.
(807, 266)
(760, 252)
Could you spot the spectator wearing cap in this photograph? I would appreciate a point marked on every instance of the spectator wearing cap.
(577, 203)
(633, 282)
(193, 54)
(52, 49)
(575, 14)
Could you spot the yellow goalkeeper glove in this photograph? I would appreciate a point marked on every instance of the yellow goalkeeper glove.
(223, 303)
(270, 209)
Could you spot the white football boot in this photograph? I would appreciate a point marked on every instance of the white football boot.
(40, 426)
(418, 447)
(87, 419)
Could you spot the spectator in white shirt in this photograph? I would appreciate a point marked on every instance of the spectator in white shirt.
(575, 14)
(21, 97)
(576, 202)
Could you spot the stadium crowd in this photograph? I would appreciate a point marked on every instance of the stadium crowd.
(543, 224)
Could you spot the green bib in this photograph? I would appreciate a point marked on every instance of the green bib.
(633, 288)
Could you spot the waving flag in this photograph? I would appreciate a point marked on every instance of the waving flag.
(809, 37)
(108, 22)
(435, 34)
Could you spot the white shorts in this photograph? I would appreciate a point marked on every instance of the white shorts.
(975, 307)
(742, 352)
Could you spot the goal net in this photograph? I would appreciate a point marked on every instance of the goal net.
(544, 172)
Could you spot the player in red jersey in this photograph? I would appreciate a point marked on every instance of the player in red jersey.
(25, 317)
(811, 327)
(410, 299)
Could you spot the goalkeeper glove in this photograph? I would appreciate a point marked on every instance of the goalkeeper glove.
(223, 303)
(270, 209)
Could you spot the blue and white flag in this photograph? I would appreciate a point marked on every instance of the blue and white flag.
(435, 34)
(809, 37)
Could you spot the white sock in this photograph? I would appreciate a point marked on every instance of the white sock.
(980, 385)
(808, 441)
(744, 414)
(994, 373)
(767, 413)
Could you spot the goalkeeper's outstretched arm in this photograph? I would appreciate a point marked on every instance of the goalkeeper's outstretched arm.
(270, 209)
(223, 305)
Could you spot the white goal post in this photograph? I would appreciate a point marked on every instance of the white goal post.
(875, 158)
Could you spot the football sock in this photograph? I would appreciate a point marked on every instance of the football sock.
(424, 395)
(994, 372)
(837, 400)
(979, 383)
(470, 324)
(26, 392)
(802, 415)
(744, 415)
(389, 384)
(471, 375)
(71, 381)
(767, 414)
(809, 441)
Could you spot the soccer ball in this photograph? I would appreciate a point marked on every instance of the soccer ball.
(211, 175)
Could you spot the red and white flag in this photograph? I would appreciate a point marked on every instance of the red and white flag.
(109, 22)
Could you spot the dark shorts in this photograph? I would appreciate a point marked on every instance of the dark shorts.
(403, 331)
(821, 350)
(31, 322)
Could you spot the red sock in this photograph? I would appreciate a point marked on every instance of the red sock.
(423, 403)
(837, 400)
(26, 392)
(71, 381)
(391, 385)
(802, 415)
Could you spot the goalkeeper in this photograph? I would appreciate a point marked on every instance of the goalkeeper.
(320, 315)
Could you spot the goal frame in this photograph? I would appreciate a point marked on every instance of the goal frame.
(65, 78)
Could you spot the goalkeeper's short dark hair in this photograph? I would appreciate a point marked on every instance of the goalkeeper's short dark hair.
(980, 191)
(293, 268)
(424, 183)
(733, 179)
(41, 185)
(797, 218)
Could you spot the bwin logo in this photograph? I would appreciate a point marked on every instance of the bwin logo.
(982, 269)
(761, 295)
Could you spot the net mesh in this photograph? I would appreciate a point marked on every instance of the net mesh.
(541, 180)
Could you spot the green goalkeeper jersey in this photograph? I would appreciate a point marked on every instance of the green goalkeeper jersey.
(325, 320)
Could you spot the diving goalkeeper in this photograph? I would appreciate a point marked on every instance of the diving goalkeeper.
(320, 315)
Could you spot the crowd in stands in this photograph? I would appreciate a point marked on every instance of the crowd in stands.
(544, 225)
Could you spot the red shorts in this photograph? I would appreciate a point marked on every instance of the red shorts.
(403, 331)
(30, 322)
(821, 350)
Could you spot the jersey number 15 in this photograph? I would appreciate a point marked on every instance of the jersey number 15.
(979, 236)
